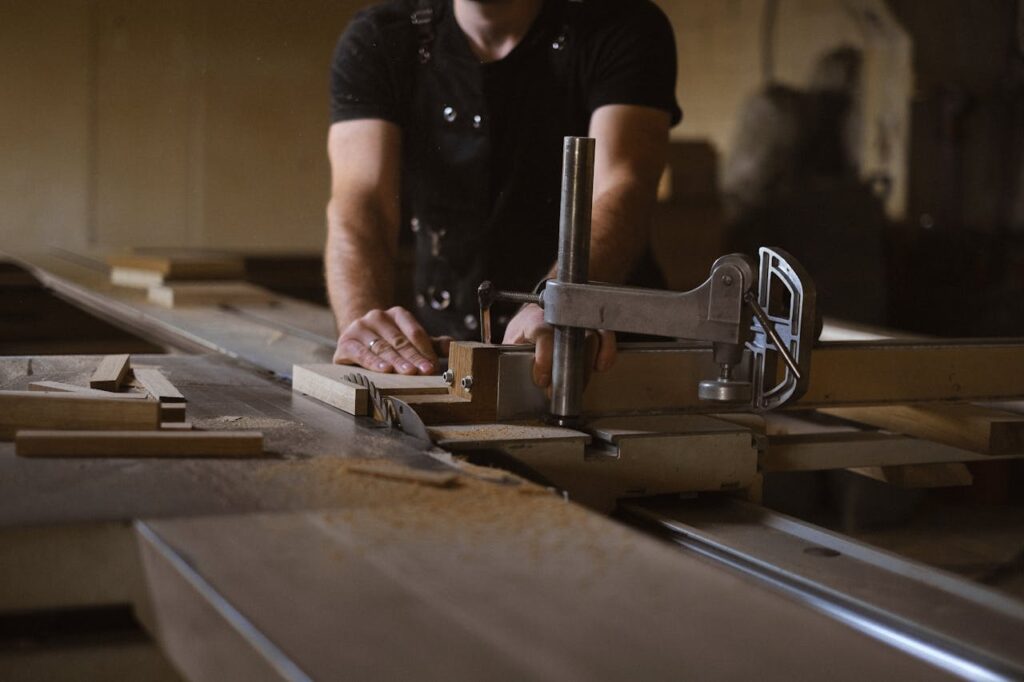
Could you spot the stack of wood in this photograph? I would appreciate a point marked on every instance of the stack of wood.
(108, 419)
(176, 279)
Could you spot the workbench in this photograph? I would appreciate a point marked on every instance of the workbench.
(299, 565)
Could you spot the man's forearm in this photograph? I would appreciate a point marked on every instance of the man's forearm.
(359, 263)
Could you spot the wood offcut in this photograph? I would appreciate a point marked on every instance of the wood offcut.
(111, 373)
(46, 410)
(141, 444)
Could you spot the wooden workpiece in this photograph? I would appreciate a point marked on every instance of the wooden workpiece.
(46, 410)
(174, 266)
(326, 383)
(141, 444)
(111, 373)
(174, 295)
(62, 387)
(154, 381)
(979, 429)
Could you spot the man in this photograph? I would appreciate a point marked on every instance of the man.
(448, 118)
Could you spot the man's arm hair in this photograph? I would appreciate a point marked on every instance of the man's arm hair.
(631, 149)
(362, 217)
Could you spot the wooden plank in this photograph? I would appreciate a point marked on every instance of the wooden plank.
(46, 410)
(939, 475)
(111, 373)
(209, 294)
(228, 444)
(325, 383)
(61, 387)
(172, 412)
(819, 452)
(182, 265)
(154, 381)
(979, 429)
(645, 379)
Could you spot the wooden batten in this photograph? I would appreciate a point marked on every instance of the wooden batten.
(961, 425)
(111, 373)
(70, 411)
(174, 295)
(154, 381)
(61, 387)
(141, 444)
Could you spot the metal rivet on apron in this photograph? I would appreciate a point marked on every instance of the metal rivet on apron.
(503, 320)
(415, 224)
(450, 114)
(559, 43)
(477, 120)
(421, 301)
(439, 300)
(470, 322)
(435, 242)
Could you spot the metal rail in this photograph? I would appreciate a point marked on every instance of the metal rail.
(955, 625)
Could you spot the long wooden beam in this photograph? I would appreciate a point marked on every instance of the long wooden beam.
(69, 411)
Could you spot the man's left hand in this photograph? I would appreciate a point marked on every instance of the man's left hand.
(528, 326)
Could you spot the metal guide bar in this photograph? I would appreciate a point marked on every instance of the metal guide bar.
(958, 626)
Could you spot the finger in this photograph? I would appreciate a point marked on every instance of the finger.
(420, 351)
(354, 352)
(542, 358)
(386, 340)
(607, 351)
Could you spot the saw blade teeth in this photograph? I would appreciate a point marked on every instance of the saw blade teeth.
(381, 405)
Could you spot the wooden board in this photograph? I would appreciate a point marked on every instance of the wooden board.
(139, 444)
(154, 381)
(61, 387)
(172, 412)
(45, 410)
(645, 379)
(111, 373)
(325, 382)
(938, 475)
(209, 294)
(182, 265)
(979, 429)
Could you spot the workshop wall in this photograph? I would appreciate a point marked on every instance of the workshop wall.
(203, 123)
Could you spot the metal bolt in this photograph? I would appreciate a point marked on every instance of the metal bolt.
(727, 280)
(448, 377)
(450, 114)
(467, 382)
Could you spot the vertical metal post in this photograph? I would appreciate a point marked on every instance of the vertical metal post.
(573, 267)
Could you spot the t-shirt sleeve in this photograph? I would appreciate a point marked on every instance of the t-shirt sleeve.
(635, 61)
(365, 79)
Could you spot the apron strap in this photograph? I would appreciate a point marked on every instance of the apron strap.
(423, 19)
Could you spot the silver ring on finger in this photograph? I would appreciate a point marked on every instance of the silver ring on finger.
(373, 343)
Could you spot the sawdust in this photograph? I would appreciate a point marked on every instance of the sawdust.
(385, 469)
(241, 423)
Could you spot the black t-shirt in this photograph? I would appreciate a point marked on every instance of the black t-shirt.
(618, 52)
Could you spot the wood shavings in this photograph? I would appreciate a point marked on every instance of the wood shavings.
(437, 479)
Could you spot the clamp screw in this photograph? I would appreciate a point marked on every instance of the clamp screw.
(727, 280)
(467, 382)
(448, 377)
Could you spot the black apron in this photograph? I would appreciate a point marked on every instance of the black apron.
(469, 226)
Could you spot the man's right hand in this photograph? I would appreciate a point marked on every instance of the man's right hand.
(390, 340)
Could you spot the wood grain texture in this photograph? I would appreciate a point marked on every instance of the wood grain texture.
(61, 387)
(938, 475)
(111, 373)
(158, 386)
(229, 444)
(45, 410)
(979, 429)
(325, 382)
(209, 294)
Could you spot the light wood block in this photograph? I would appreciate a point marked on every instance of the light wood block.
(228, 444)
(154, 381)
(61, 387)
(325, 383)
(111, 373)
(209, 294)
(46, 410)
(181, 265)
(979, 429)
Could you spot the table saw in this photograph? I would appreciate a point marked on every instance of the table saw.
(445, 528)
